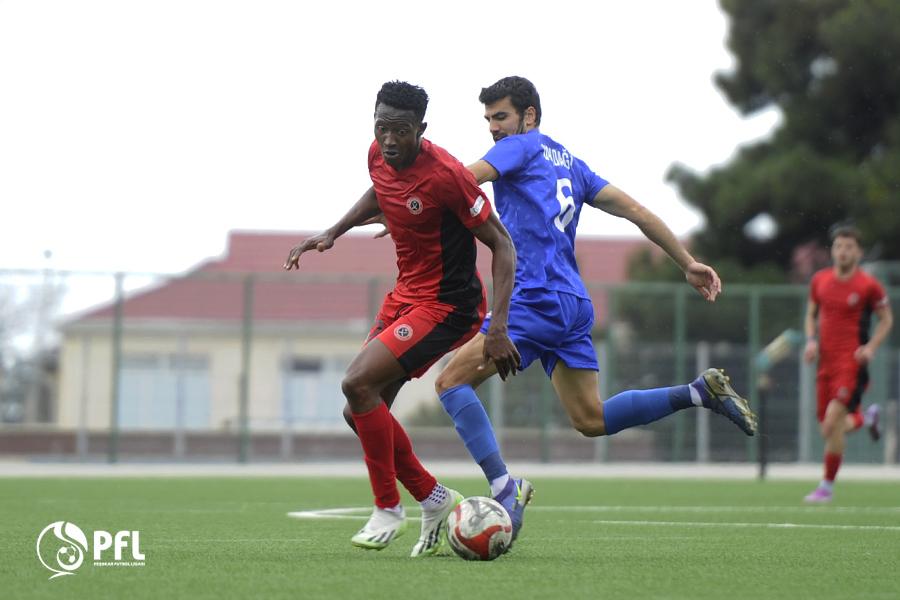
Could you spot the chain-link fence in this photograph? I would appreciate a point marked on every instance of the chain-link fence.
(234, 366)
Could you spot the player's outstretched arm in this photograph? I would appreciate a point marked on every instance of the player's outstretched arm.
(616, 202)
(498, 348)
(365, 208)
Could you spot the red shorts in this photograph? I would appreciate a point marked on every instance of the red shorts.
(844, 381)
(418, 335)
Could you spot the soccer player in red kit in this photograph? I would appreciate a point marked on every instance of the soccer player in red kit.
(842, 298)
(435, 211)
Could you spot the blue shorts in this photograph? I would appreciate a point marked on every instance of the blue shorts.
(551, 326)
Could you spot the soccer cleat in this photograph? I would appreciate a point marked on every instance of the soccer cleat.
(514, 498)
(871, 418)
(820, 495)
(718, 396)
(383, 527)
(434, 526)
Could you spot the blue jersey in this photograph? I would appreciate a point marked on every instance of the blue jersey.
(539, 196)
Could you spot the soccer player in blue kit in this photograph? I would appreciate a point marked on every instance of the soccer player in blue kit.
(539, 191)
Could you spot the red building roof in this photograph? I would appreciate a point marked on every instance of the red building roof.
(346, 282)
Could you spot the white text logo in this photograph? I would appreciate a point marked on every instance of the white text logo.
(64, 551)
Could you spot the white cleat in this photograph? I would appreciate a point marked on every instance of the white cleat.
(434, 526)
(383, 527)
(872, 415)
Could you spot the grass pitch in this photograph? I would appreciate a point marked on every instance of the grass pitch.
(231, 538)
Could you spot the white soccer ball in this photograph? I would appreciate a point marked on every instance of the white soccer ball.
(479, 528)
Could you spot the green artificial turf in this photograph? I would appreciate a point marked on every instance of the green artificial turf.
(231, 538)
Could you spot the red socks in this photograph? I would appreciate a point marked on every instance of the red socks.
(832, 464)
(410, 471)
(376, 434)
(858, 420)
(389, 456)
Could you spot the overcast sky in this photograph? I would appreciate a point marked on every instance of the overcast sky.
(135, 135)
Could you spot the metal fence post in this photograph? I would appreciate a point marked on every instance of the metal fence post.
(114, 397)
(601, 443)
(244, 400)
(544, 416)
(178, 439)
(81, 437)
(680, 342)
(496, 392)
(754, 335)
(805, 413)
(703, 362)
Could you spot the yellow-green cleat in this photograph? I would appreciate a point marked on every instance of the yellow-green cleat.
(434, 527)
(717, 395)
(383, 527)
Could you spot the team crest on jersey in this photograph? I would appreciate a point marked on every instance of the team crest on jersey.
(414, 205)
(853, 299)
(403, 332)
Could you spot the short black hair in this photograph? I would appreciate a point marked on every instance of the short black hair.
(521, 92)
(403, 96)
(846, 230)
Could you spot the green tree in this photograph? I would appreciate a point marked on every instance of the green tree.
(832, 67)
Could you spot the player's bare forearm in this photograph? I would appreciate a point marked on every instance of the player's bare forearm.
(365, 208)
(498, 348)
(809, 323)
(617, 203)
(811, 350)
(503, 268)
(885, 323)
(503, 272)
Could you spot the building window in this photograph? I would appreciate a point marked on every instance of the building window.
(164, 391)
(312, 391)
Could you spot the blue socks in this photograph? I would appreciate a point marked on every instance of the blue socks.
(639, 407)
(475, 429)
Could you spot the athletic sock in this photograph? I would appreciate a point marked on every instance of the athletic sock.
(414, 477)
(858, 420)
(639, 407)
(474, 427)
(376, 435)
(832, 464)
(436, 499)
(498, 484)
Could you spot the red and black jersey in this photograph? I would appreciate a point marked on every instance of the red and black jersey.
(430, 207)
(845, 310)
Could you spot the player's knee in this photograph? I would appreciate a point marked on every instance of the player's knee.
(829, 427)
(444, 382)
(355, 389)
(348, 417)
(589, 425)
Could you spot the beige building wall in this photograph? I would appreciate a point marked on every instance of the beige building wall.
(86, 367)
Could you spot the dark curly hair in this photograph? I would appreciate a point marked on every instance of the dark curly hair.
(403, 96)
(845, 230)
(521, 92)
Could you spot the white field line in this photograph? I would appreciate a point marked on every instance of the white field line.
(357, 513)
(806, 510)
(750, 525)
(362, 513)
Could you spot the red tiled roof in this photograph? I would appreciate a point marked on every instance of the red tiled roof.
(346, 282)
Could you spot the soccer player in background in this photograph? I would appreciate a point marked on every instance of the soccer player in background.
(842, 299)
(539, 190)
(435, 211)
